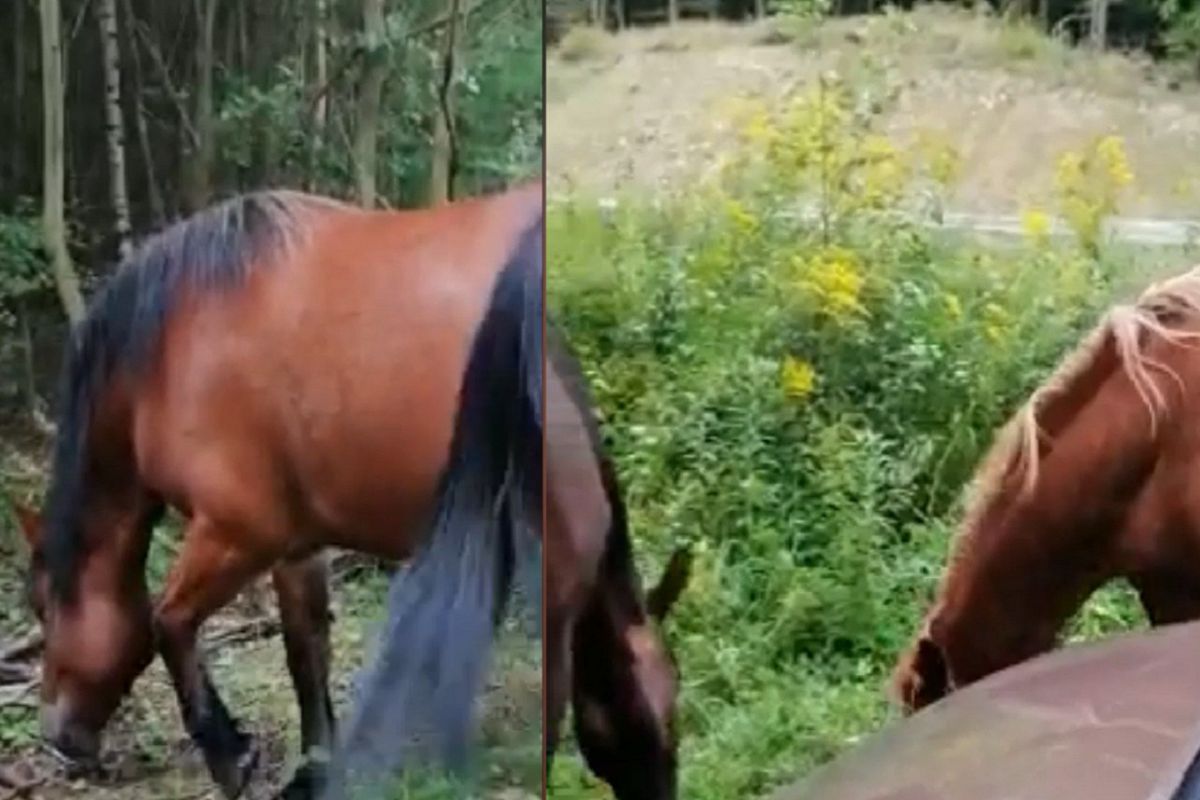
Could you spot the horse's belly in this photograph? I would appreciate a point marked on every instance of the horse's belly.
(374, 495)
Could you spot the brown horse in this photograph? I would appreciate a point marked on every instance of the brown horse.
(602, 648)
(284, 370)
(1094, 479)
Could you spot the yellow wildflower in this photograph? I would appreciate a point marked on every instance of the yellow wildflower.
(743, 221)
(798, 377)
(1068, 173)
(995, 323)
(943, 161)
(835, 281)
(953, 306)
(1111, 152)
(1035, 224)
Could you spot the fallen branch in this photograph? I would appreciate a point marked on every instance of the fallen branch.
(14, 673)
(23, 649)
(243, 632)
(21, 694)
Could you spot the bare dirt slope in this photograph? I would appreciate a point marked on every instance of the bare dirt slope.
(648, 108)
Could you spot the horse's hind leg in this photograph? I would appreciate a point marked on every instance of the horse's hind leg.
(210, 572)
(302, 587)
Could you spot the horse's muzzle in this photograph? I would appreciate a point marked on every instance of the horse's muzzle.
(77, 748)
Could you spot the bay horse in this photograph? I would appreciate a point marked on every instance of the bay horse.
(284, 370)
(603, 651)
(1096, 477)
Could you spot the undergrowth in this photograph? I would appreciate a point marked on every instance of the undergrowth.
(797, 377)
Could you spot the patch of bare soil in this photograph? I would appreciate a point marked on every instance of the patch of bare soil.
(648, 109)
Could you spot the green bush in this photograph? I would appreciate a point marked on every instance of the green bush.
(801, 392)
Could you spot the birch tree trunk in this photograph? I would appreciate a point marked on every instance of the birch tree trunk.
(366, 130)
(54, 226)
(1099, 26)
(442, 165)
(106, 16)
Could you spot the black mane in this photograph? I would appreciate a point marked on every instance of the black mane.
(213, 250)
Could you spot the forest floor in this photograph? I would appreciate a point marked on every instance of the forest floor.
(652, 108)
(147, 754)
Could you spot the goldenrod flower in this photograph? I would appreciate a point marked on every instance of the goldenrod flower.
(1111, 152)
(1035, 224)
(995, 323)
(953, 306)
(798, 377)
(833, 279)
(744, 221)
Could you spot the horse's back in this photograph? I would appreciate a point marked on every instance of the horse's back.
(316, 404)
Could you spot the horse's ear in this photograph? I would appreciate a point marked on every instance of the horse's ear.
(662, 597)
(29, 521)
(923, 675)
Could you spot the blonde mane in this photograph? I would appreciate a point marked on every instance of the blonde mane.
(1018, 445)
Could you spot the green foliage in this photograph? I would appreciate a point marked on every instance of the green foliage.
(1182, 20)
(801, 395)
(267, 127)
(22, 261)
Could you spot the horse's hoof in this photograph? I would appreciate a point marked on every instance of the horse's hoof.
(306, 784)
(233, 774)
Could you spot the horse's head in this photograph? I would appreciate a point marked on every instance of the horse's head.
(96, 644)
(1088, 482)
(921, 676)
(625, 713)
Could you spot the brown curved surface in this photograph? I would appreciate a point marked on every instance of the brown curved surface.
(1113, 720)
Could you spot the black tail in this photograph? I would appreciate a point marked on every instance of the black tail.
(417, 698)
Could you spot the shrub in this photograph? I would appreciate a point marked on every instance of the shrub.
(798, 380)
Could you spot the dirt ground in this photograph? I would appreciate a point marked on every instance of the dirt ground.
(147, 754)
(649, 108)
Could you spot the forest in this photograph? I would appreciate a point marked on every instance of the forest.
(121, 117)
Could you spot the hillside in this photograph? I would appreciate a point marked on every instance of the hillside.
(651, 107)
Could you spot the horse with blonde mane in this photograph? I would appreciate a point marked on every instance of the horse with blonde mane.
(1097, 477)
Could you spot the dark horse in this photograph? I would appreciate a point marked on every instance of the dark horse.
(284, 370)
(602, 649)
(1094, 479)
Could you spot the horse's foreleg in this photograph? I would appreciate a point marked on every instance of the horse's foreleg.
(556, 676)
(1168, 597)
(210, 571)
(302, 587)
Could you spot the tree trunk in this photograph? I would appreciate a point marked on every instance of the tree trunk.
(198, 185)
(321, 42)
(54, 226)
(760, 9)
(18, 154)
(320, 109)
(1099, 28)
(370, 90)
(441, 168)
(106, 16)
(157, 209)
(672, 11)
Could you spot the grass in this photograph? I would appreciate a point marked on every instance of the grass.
(148, 756)
(803, 403)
